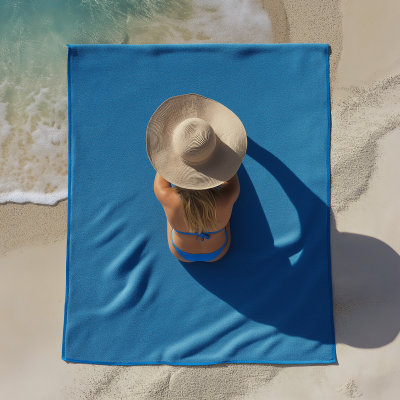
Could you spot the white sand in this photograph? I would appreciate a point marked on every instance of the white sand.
(365, 227)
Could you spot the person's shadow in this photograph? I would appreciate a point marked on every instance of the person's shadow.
(365, 271)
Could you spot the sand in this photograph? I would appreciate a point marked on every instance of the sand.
(365, 227)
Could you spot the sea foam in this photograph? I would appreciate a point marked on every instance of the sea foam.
(33, 71)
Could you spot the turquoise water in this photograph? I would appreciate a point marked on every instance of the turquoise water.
(33, 70)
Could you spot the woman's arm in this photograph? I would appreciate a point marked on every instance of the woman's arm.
(160, 182)
(160, 187)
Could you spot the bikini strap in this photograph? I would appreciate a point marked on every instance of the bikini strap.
(172, 185)
(204, 235)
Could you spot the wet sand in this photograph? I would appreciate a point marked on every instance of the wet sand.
(365, 221)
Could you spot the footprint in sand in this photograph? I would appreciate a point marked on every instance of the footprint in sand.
(350, 389)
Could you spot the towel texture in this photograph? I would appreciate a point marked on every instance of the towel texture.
(268, 300)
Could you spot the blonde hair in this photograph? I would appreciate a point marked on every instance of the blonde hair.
(199, 208)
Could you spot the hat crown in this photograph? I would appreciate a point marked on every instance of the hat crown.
(194, 140)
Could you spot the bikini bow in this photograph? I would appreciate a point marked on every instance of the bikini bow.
(202, 236)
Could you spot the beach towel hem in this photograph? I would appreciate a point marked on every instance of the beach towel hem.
(69, 200)
(328, 202)
(202, 363)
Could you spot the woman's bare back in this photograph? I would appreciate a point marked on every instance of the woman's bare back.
(188, 243)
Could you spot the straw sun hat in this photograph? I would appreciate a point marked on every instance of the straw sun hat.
(195, 142)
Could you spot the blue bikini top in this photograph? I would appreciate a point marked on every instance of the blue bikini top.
(202, 235)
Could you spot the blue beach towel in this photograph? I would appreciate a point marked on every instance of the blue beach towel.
(269, 299)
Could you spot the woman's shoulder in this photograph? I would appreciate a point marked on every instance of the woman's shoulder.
(163, 190)
(168, 198)
(230, 190)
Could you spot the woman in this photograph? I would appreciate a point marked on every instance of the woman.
(207, 210)
(196, 145)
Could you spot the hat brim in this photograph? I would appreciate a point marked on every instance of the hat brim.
(230, 149)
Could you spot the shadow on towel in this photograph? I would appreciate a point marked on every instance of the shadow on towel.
(256, 252)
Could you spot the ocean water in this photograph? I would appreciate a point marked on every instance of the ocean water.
(33, 70)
